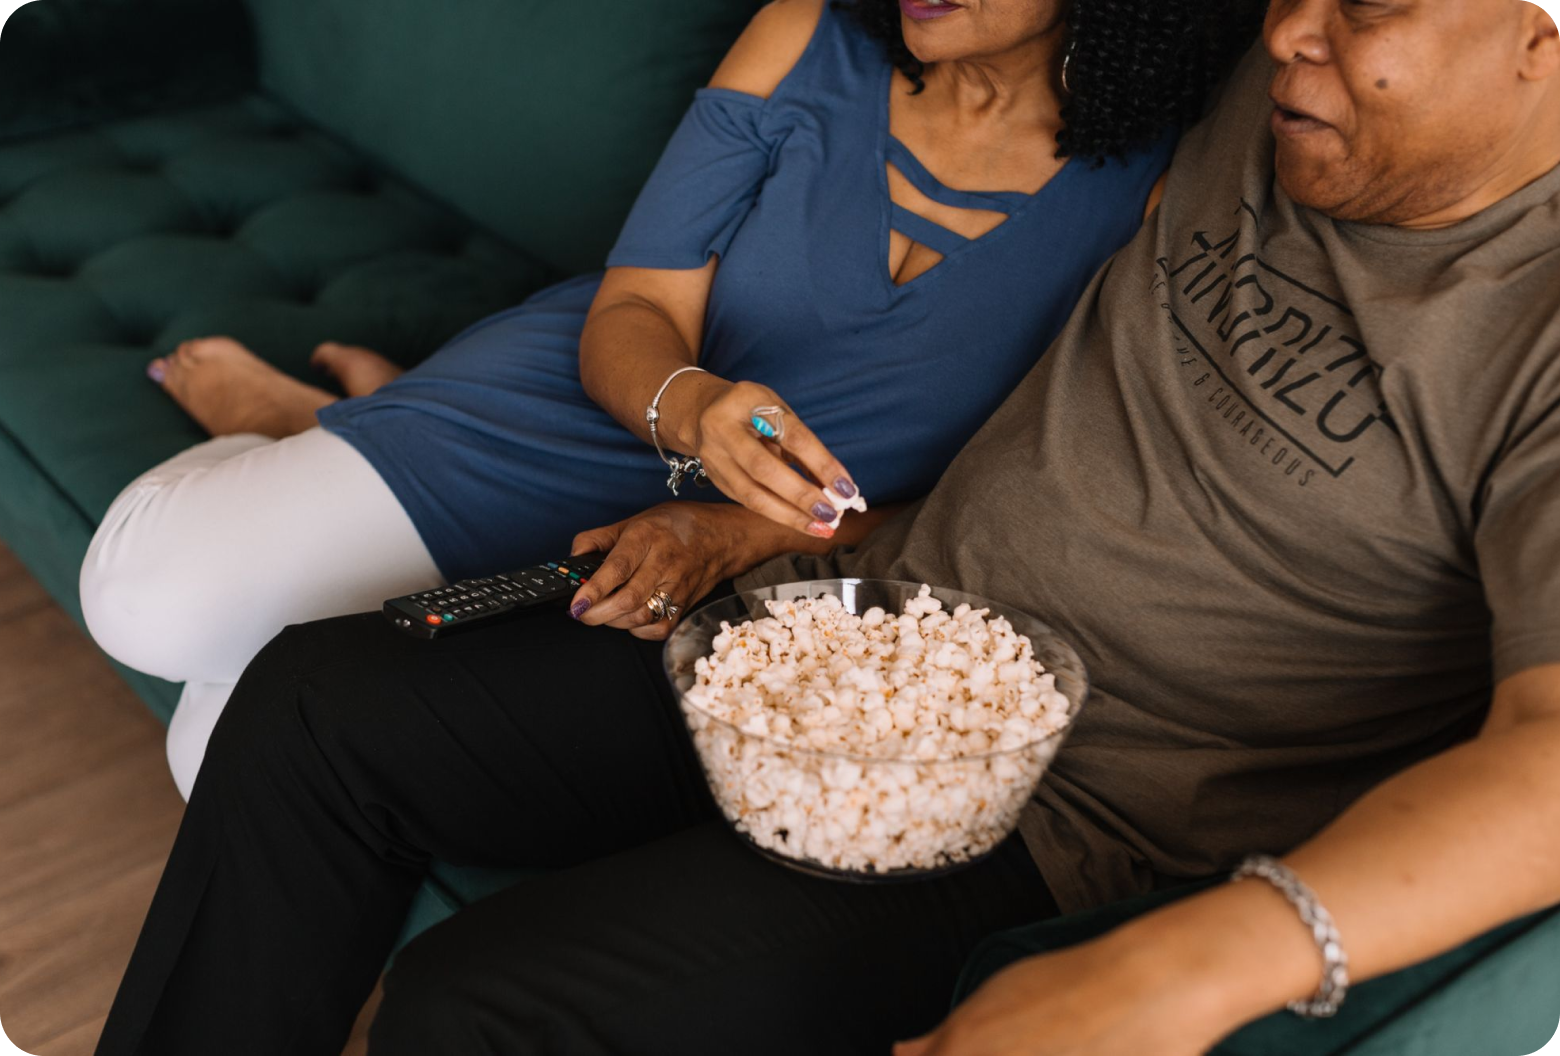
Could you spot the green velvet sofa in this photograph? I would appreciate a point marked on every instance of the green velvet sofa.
(385, 172)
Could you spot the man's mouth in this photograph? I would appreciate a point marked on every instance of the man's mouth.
(1292, 121)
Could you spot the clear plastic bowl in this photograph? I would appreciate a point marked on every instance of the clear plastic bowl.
(855, 816)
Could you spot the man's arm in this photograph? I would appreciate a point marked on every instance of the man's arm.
(1428, 860)
(1432, 858)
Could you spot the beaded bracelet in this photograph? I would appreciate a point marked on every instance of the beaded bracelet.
(1335, 963)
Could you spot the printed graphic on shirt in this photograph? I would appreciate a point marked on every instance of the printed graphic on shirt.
(1281, 362)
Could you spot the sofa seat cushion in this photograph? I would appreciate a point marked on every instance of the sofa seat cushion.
(120, 241)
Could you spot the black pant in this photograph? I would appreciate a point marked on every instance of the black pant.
(350, 756)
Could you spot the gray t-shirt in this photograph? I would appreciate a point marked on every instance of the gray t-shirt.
(1290, 486)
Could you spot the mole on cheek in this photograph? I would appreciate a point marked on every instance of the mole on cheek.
(1383, 84)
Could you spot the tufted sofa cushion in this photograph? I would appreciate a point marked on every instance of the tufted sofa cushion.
(118, 242)
(540, 119)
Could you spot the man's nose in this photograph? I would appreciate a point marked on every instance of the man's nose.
(1296, 30)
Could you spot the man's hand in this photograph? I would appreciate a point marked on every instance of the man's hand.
(1096, 999)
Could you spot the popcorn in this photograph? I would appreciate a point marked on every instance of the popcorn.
(840, 505)
(865, 743)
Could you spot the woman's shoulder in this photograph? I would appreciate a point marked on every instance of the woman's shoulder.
(771, 47)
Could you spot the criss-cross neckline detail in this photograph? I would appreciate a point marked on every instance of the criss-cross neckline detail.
(944, 241)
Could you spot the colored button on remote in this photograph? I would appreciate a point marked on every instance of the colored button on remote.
(433, 619)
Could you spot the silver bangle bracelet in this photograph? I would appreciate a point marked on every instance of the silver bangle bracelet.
(1335, 963)
(680, 467)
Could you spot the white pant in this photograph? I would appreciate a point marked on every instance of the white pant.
(204, 559)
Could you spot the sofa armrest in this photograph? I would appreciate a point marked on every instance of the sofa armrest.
(65, 63)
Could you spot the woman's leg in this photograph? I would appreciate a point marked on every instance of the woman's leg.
(204, 559)
(695, 944)
(349, 756)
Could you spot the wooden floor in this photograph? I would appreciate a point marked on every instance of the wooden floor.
(87, 814)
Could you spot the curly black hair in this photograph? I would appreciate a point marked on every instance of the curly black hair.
(1138, 67)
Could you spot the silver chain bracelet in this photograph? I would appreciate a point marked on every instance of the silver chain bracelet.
(1335, 963)
(685, 465)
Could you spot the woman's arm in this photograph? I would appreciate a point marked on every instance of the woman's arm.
(685, 549)
(647, 323)
(1430, 859)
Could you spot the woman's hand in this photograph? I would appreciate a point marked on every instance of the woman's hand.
(755, 472)
(681, 548)
(1097, 999)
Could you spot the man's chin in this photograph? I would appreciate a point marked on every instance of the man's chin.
(1314, 184)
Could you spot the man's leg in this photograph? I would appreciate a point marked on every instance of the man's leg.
(695, 946)
(348, 757)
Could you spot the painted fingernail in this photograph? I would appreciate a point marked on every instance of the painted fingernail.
(579, 608)
(156, 371)
(820, 529)
(822, 511)
(844, 489)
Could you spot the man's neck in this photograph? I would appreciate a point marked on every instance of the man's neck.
(1531, 155)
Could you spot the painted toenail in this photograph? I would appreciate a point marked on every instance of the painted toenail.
(156, 371)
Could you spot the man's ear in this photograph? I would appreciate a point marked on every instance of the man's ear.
(1541, 43)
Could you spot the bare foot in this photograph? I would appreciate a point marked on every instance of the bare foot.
(360, 370)
(228, 389)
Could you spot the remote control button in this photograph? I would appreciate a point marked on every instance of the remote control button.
(446, 618)
(434, 619)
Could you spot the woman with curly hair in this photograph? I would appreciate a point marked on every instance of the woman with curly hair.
(864, 233)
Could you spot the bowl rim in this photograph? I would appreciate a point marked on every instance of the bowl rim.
(1057, 735)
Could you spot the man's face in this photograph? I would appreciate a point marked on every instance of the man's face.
(1392, 110)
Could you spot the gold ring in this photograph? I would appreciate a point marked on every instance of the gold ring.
(661, 606)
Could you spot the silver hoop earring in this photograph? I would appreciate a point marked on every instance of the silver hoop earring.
(1067, 66)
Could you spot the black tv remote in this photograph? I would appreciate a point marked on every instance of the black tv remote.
(488, 599)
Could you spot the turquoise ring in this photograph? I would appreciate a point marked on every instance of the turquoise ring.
(769, 422)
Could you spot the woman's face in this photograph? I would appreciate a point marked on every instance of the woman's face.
(952, 30)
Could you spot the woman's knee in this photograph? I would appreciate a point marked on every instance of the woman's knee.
(139, 599)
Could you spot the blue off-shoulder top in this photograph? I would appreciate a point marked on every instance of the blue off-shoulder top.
(500, 458)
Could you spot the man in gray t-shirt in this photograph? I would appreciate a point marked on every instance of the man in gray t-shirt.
(1279, 481)
(1290, 482)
